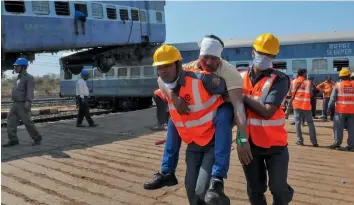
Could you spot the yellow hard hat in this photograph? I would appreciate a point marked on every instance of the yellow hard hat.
(267, 43)
(344, 72)
(166, 54)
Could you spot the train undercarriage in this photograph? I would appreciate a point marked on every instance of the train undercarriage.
(120, 103)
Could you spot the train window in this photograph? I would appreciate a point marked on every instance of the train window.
(135, 15)
(319, 65)
(142, 16)
(135, 72)
(110, 73)
(242, 65)
(62, 8)
(97, 11)
(297, 64)
(90, 72)
(149, 71)
(111, 12)
(97, 74)
(122, 72)
(81, 7)
(159, 17)
(281, 66)
(40, 7)
(123, 13)
(339, 63)
(15, 6)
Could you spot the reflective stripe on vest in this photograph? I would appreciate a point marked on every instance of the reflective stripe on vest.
(302, 99)
(264, 133)
(160, 94)
(198, 125)
(345, 98)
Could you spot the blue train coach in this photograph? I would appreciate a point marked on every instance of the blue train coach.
(322, 54)
(115, 31)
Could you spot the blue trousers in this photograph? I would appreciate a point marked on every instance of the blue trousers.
(223, 122)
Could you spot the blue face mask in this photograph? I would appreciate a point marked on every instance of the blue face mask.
(262, 62)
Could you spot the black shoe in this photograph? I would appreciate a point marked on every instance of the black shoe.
(37, 141)
(160, 180)
(315, 145)
(215, 194)
(292, 123)
(80, 125)
(94, 125)
(334, 146)
(300, 143)
(11, 144)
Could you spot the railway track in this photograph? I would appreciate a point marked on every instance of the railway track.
(44, 102)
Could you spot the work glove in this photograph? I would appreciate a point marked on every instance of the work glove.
(28, 106)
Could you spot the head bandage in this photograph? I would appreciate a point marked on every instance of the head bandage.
(210, 46)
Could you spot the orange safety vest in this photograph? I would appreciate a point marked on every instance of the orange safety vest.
(345, 99)
(198, 125)
(160, 94)
(264, 133)
(326, 88)
(302, 98)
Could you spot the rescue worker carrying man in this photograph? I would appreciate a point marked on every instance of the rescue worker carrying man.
(326, 88)
(342, 98)
(209, 60)
(203, 92)
(264, 91)
(301, 92)
(22, 97)
(82, 93)
(162, 113)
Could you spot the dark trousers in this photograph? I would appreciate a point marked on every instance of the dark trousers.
(162, 113)
(313, 106)
(275, 160)
(83, 112)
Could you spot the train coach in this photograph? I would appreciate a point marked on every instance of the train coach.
(322, 54)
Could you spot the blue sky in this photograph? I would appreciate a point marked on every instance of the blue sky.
(190, 21)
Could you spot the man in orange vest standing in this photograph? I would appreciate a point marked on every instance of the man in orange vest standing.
(203, 91)
(162, 114)
(326, 88)
(342, 98)
(301, 92)
(264, 90)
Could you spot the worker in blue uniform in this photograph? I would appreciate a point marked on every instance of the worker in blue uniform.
(79, 17)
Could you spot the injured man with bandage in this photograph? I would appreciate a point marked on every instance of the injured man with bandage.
(209, 60)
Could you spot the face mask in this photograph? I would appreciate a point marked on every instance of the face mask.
(262, 62)
(171, 85)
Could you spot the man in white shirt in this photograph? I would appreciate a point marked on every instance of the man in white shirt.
(82, 93)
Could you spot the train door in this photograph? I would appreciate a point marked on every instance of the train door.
(339, 63)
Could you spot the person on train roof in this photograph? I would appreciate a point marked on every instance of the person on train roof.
(79, 17)
(210, 58)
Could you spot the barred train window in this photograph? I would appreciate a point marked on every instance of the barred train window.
(97, 74)
(135, 15)
(135, 72)
(297, 64)
(15, 6)
(122, 72)
(319, 65)
(142, 16)
(81, 7)
(280, 66)
(148, 71)
(339, 63)
(123, 13)
(159, 17)
(40, 7)
(62, 8)
(97, 11)
(111, 12)
(110, 73)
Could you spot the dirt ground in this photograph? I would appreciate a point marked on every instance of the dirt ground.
(108, 165)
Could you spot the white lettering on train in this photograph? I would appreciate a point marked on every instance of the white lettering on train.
(338, 49)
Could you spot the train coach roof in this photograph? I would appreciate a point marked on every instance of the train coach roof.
(336, 36)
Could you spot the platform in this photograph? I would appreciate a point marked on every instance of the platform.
(107, 165)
